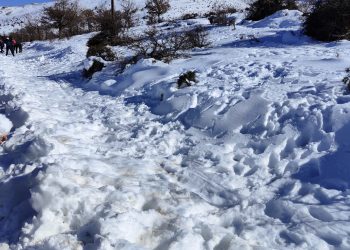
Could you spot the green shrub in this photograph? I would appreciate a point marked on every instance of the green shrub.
(329, 20)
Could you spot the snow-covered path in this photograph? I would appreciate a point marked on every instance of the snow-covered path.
(252, 157)
(104, 157)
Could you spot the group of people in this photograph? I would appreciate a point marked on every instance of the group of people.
(11, 46)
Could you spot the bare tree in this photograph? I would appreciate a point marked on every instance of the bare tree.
(63, 15)
(155, 9)
(128, 14)
(88, 20)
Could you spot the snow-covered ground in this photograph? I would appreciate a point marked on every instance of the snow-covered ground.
(254, 156)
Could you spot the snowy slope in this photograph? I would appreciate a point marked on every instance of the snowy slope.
(12, 18)
(254, 156)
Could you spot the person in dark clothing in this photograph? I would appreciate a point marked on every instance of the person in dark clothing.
(2, 45)
(9, 46)
(18, 47)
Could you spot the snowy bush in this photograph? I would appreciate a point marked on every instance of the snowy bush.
(329, 20)
(263, 8)
(187, 79)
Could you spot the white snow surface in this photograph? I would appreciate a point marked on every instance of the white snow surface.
(5, 125)
(255, 155)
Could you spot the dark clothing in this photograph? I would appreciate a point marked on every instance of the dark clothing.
(2, 45)
(18, 48)
(9, 47)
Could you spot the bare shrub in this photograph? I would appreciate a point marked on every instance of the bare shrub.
(156, 45)
(219, 15)
(64, 16)
(128, 14)
(33, 30)
(189, 16)
(167, 46)
(196, 38)
(88, 20)
(156, 8)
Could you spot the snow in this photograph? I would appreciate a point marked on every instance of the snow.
(5, 124)
(252, 156)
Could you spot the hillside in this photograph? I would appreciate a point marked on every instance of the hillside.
(252, 156)
(12, 18)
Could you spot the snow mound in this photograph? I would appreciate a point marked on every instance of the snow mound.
(5, 125)
(281, 20)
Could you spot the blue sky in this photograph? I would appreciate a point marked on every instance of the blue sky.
(20, 2)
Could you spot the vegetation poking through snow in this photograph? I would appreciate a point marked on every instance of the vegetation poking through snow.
(196, 38)
(167, 46)
(96, 66)
(188, 16)
(187, 79)
(101, 51)
(263, 8)
(220, 15)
